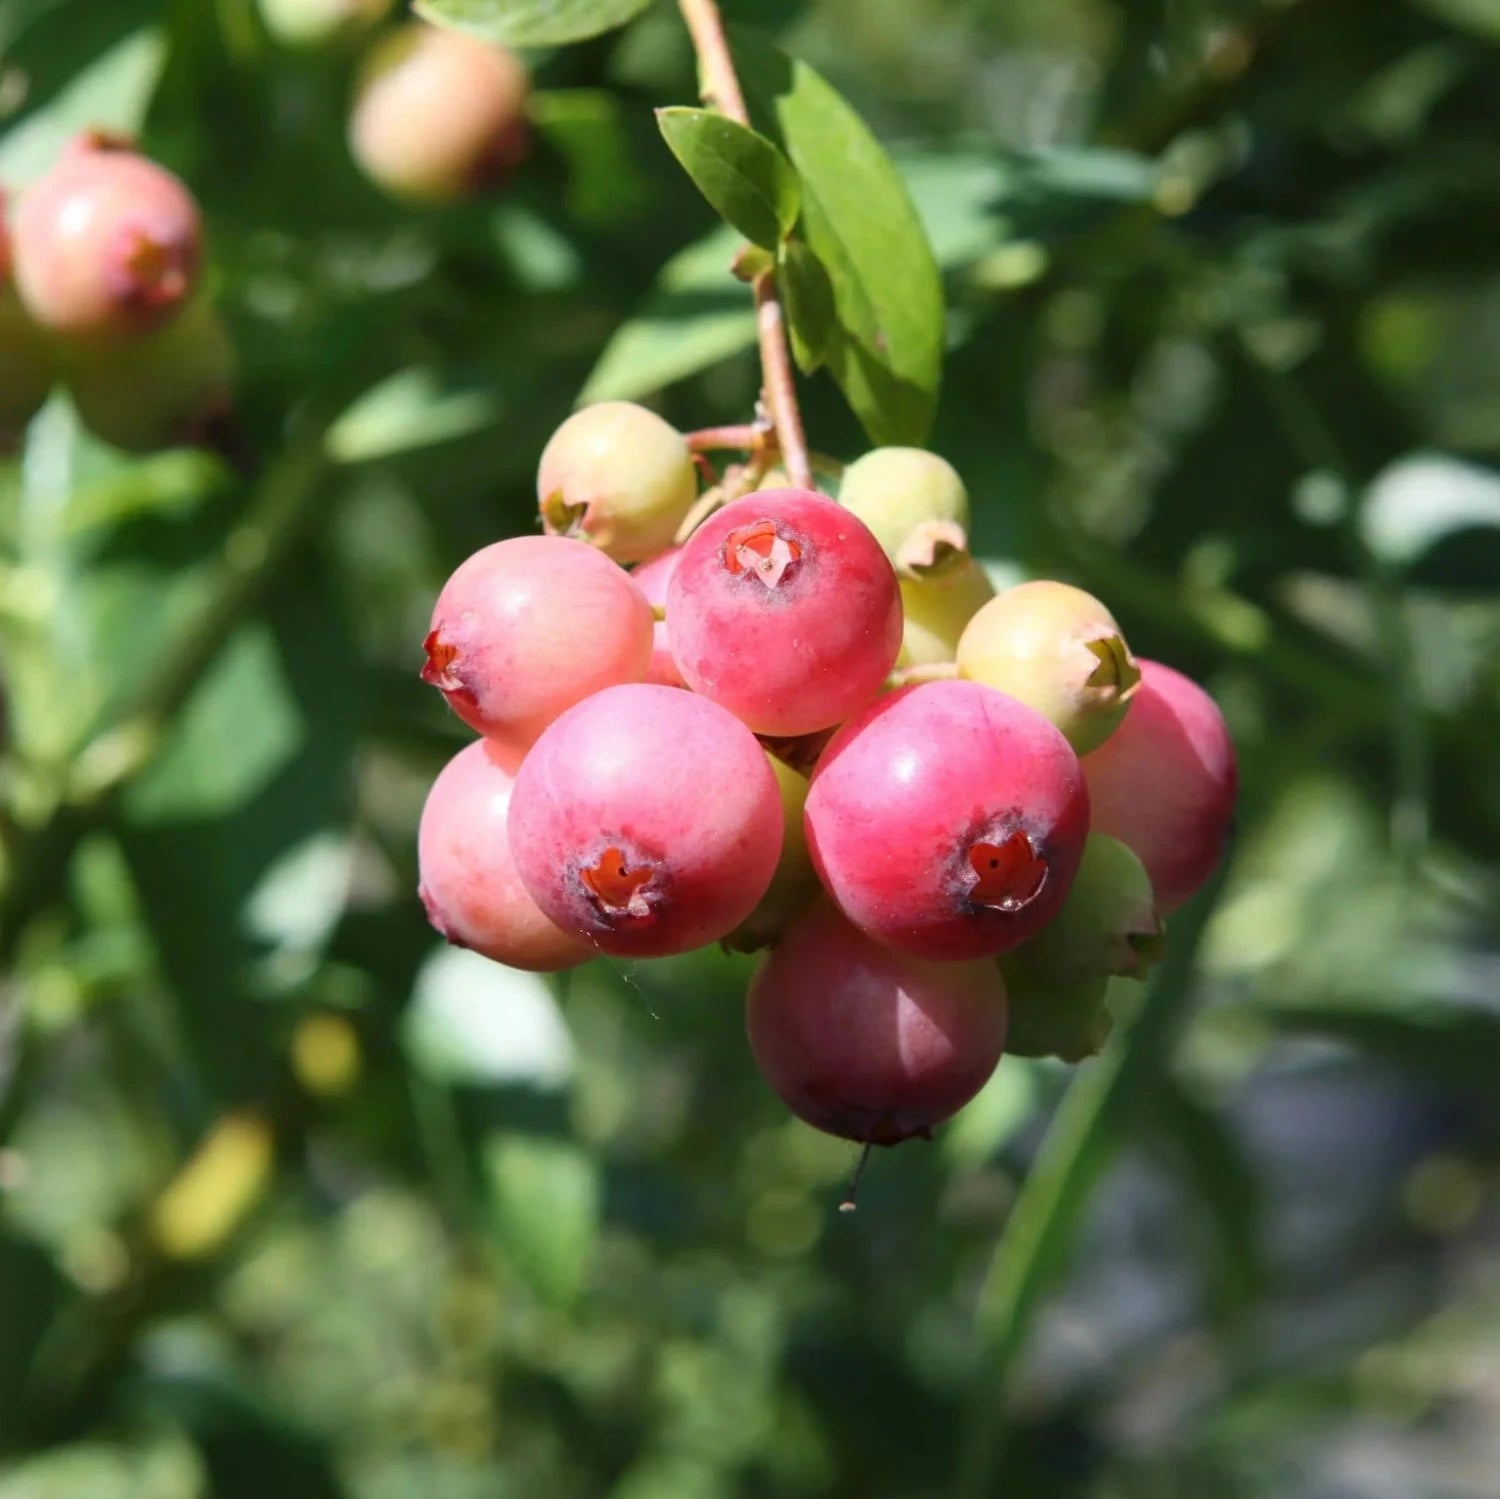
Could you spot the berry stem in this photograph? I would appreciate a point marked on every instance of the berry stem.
(749, 437)
(720, 88)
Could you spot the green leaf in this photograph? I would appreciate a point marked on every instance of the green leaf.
(239, 728)
(479, 1023)
(808, 299)
(544, 1201)
(112, 93)
(886, 352)
(697, 315)
(747, 181)
(532, 23)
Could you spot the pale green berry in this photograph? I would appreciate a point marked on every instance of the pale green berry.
(1071, 1023)
(937, 610)
(618, 476)
(794, 886)
(316, 23)
(1058, 650)
(174, 386)
(914, 502)
(1107, 928)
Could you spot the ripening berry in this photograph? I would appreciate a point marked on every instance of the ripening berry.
(439, 116)
(1164, 783)
(107, 244)
(916, 505)
(618, 476)
(168, 388)
(316, 23)
(26, 363)
(646, 821)
(1071, 1022)
(469, 884)
(1108, 926)
(1059, 650)
(794, 886)
(937, 608)
(528, 627)
(948, 820)
(868, 1043)
(653, 578)
(784, 609)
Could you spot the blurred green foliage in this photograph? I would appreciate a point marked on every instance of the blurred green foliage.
(295, 1201)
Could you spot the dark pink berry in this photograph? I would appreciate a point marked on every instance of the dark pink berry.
(469, 884)
(867, 1043)
(528, 627)
(785, 610)
(948, 820)
(107, 244)
(1164, 783)
(647, 821)
(653, 578)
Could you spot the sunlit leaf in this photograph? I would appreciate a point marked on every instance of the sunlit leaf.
(532, 23)
(747, 181)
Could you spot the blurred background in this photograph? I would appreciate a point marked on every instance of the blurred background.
(296, 1201)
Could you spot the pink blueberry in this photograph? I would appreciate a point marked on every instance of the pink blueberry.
(653, 579)
(868, 1043)
(785, 610)
(647, 821)
(948, 820)
(1164, 783)
(469, 884)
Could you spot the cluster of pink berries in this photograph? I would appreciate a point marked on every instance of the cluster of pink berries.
(99, 288)
(813, 727)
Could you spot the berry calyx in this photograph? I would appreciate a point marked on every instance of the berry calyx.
(439, 116)
(107, 244)
(1165, 783)
(948, 820)
(784, 610)
(615, 838)
(867, 1043)
(618, 476)
(469, 884)
(1060, 651)
(916, 505)
(527, 627)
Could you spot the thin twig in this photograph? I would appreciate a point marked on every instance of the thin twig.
(720, 88)
(745, 438)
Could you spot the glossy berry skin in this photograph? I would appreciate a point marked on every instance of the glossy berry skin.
(107, 244)
(936, 610)
(316, 23)
(914, 502)
(527, 627)
(469, 884)
(169, 388)
(1165, 783)
(653, 578)
(784, 609)
(616, 475)
(439, 116)
(646, 821)
(948, 820)
(1059, 650)
(867, 1043)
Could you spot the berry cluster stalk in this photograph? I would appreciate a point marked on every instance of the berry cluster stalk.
(720, 86)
